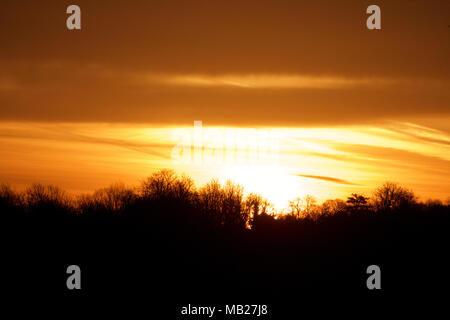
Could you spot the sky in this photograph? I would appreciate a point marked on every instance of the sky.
(351, 107)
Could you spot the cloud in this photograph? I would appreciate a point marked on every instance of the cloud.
(162, 62)
(421, 133)
(329, 179)
(267, 81)
(69, 135)
(93, 93)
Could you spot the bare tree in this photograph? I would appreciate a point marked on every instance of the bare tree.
(47, 199)
(305, 207)
(392, 197)
(255, 206)
(184, 189)
(113, 199)
(165, 185)
(311, 208)
(333, 206)
(8, 196)
(296, 207)
(211, 197)
(159, 185)
(224, 204)
(232, 208)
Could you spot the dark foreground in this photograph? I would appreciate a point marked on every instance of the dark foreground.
(156, 255)
(165, 267)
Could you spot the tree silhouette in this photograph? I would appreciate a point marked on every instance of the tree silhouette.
(47, 200)
(160, 185)
(357, 202)
(114, 199)
(256, 208)
(217, 237)
(305, 207)
(392, 197)
(333, 207)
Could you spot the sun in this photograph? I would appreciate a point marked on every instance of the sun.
(270, 181)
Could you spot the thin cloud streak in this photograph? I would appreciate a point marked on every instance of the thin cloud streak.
(421, 133)
(67, 136)
(268, 81)
(328, 179)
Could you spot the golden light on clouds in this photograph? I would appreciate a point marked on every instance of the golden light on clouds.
(267, 81)
(353, 107)
(323, 162)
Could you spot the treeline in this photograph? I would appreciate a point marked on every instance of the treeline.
(167, 195)
(178, 240)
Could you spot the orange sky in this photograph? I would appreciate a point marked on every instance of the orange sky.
(353, 107)
(280, 163)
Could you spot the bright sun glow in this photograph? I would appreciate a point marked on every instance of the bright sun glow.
(281, 164)
(270, 181)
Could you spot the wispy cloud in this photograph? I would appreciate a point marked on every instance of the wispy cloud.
(421, 133)
(326, 162)
(325, 178)
(71, 134)
(267, 81)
